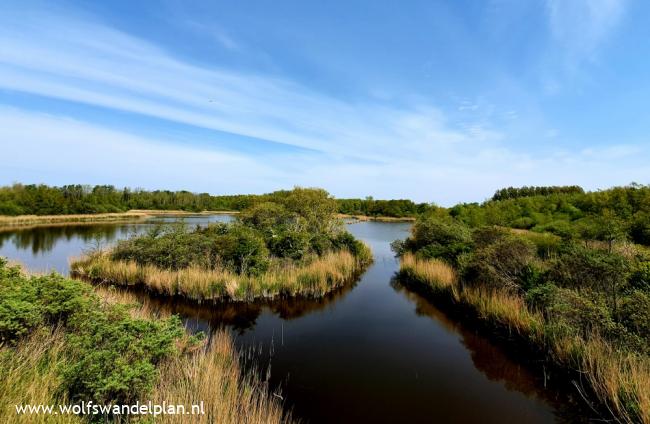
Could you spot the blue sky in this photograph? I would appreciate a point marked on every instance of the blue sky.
(437, 101)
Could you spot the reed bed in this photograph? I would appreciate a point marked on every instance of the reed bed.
(619, 381)
(213, 376)
(30, 376)
(210, 374)
(313, 279)
(23, 220)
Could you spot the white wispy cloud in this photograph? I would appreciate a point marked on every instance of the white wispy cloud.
(581, 26)
(366, 147)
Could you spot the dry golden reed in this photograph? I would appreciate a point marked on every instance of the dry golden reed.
(316, 278)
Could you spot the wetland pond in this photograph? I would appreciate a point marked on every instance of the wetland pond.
(370, 352)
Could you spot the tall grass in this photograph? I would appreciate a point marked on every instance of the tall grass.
(315, 278)
(213, 376)
(620, 381)
(210, 374)
(30, 376)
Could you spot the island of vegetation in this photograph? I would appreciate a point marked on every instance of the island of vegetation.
(292, 246)
(570, 283)
(63, 343)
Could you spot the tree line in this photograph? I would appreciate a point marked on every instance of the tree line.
(41, 199)
(526, 191)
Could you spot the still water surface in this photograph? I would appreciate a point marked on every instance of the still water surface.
(371, 352)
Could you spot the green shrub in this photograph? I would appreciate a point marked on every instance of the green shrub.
(635, 313)
(19, 312)
(505, 264)
(433, 237)
(111, 357)
(114, 356)
(290, 244)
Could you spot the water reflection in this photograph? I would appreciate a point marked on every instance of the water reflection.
(49, 247)
(516, 374)
(239, 316)
(39, 239)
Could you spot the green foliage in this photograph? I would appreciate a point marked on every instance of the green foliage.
(597, 270)
(345, 240)
(398, 208)
(640, 277)
(610, 215)
(504, 263)
(296, 224)
(31, 199)
(236, 246)
(581, 290)
(111, 357)
(114, 356)
(18, 311)
(513, 193)
(435, 237)
(635, 313)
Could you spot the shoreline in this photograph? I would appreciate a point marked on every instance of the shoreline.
(313, 280)
(366, 218)
(522, 333)
(21, 221)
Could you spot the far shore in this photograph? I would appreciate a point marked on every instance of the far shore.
(377, 218)
(132, 215)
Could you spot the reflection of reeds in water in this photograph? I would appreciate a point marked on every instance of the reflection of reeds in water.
(620, 381)
(316, 278)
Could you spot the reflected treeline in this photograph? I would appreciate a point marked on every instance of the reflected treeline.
(42, 239)
(240, 316)
(496, 364)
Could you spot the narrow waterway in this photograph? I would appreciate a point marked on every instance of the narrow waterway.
(371, 352)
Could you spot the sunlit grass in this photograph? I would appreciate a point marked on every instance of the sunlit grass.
(213, 375)
(315, 278)
(208, 373)
(29, 375)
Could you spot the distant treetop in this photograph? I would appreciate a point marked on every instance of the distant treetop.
(513, 192)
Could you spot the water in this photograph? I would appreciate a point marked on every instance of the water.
(370, 352)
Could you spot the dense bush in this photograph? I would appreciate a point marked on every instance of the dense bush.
(505, 263)
(609, 215)
(299, 224)
(114, 357)
(237, 247)
(581, 288)
(435, 237)
(111, 357)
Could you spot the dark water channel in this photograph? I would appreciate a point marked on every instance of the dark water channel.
(371, 352)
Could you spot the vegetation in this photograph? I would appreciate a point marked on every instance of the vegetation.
(513, 193)
(620, 213)
(32, 199)
(61, 343)
(586, 307)
(284, 248)
(33, 220)
(399, 208)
